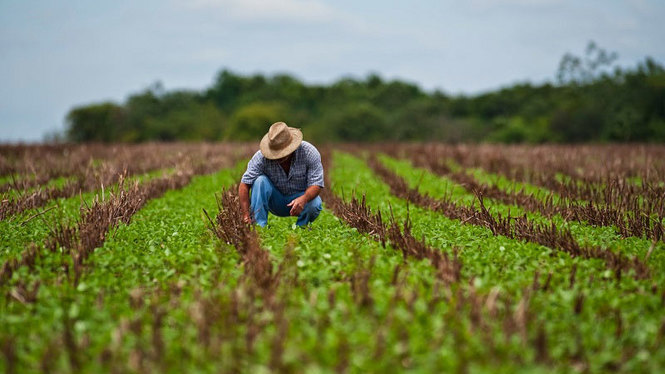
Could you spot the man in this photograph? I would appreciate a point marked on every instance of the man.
(285, 177)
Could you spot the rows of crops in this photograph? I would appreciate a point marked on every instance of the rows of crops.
(425, 258)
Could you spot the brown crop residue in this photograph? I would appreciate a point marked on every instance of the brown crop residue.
(513, 227)
(111, 208)
(357, 214)
(94, 167)
(596, 189)
(230, 228)
(482, 310)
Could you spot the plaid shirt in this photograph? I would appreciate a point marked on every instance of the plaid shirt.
(306, 170)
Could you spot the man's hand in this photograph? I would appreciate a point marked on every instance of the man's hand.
(297, 205)
(243, 195)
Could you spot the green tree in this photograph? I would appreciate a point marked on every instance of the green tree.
(519, 130)
(589, 102)
(359, 122)
(226, 90)
(584, 70)
(97, 122)
(197, 121)
(251, 122)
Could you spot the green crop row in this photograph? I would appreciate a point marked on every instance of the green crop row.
(167, 241)
(170, 234)
(510, 265)
(606, 236)
(33, 226)
(504, 182)
(164, 294)
(52, 183)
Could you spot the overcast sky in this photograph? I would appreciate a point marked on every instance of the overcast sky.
(59, 54)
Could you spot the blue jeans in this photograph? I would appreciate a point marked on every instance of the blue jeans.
(266, 198)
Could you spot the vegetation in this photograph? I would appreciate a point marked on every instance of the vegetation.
(591, 101)
(424, 259)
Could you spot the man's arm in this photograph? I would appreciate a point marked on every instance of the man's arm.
(254, 169)
(314, 181)
(243, 196)
(298, 204)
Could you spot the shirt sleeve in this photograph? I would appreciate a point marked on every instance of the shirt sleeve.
(254, 169)
(314, 168)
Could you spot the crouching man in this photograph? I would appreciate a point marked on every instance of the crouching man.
(285, 177)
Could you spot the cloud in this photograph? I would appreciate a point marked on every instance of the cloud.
(527, 4)
(270, 10)
(206, 54)
(299, 19)
(644, 7)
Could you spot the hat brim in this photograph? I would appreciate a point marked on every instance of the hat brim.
(296, 136)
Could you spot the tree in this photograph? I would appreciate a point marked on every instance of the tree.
(359, 122)
(583, 70)
(193, 122)
(251, 122)
(589, 103)
(97, 122)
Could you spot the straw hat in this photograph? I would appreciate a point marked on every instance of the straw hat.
(280, 141)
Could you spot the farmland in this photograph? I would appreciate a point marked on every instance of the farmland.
(426, 258)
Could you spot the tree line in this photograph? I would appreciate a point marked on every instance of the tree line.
(590, 101)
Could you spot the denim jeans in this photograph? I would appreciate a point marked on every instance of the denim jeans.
(266, 198)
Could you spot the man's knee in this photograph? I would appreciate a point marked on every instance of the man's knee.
(261, 184)
(261, 181)
(314, 206)
(310, 212)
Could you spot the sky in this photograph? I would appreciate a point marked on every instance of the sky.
(55, 55)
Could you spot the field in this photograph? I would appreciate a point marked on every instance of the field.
(426, 258)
